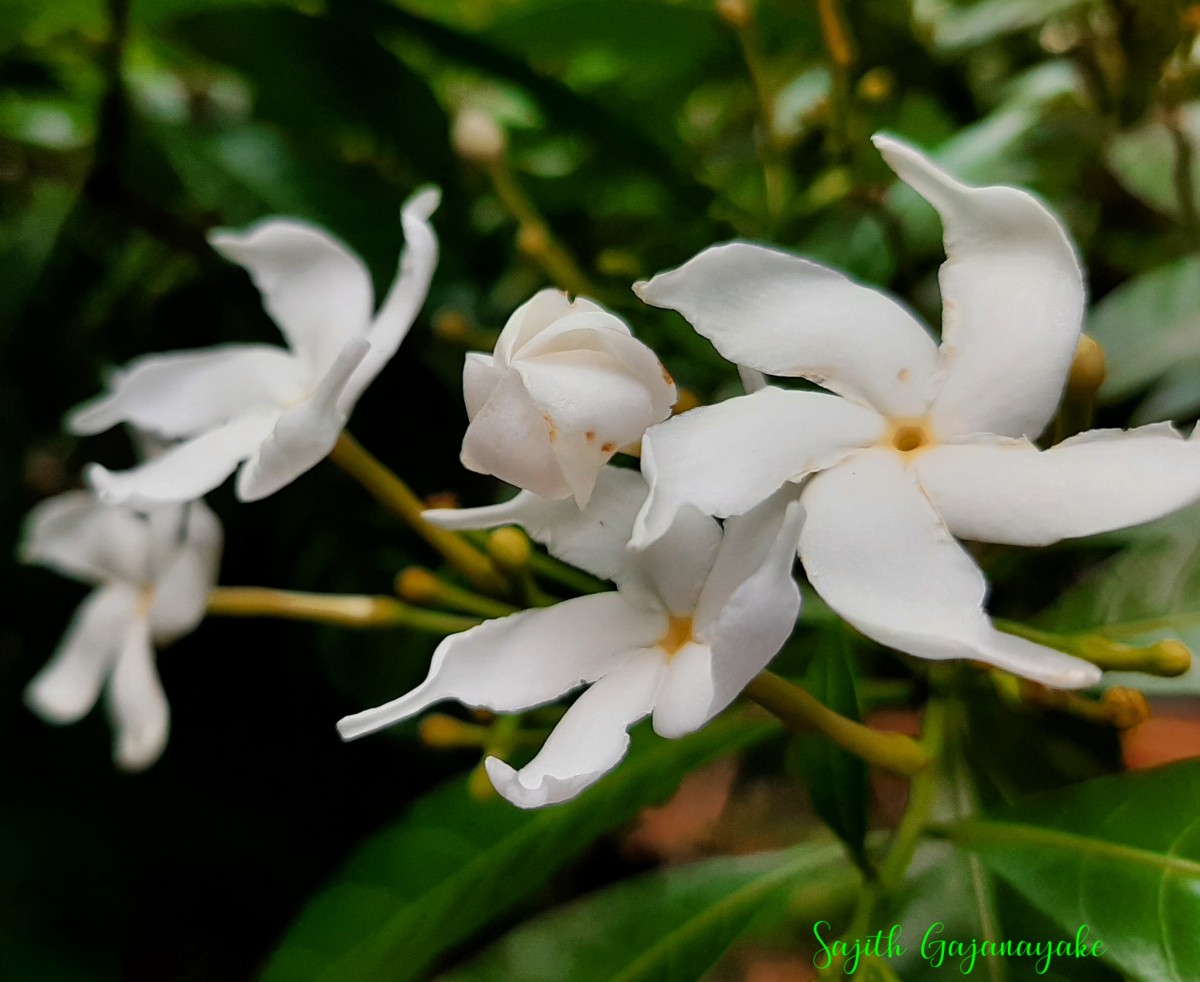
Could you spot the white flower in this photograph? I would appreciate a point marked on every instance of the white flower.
(921, 443)
(153, 572)
(565, 389)
(279, 411)
(695, 617)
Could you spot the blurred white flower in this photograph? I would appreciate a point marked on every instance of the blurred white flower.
(696, 616)
(153, 572)
(275, 411)
(921, 443)
(565, 389)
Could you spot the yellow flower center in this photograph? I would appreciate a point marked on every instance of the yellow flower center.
(908, 436)
(679, 633)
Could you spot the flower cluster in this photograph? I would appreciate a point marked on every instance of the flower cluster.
(898, 447)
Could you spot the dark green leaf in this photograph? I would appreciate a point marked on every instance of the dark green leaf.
(1120, 855)
(668, 926)
(453, 865)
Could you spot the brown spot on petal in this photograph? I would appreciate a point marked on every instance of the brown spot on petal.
(666, 375)
(551, 428)
(608, 447)
(904, 375)
(590, 436)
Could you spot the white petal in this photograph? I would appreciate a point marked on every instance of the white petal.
(186, 471)
(69, 685)
(877, 553)
(136, 702)
(1011, 492)
(726, 458)
(671, 571)
(188, 575)
(188, 392)
(76, 535)
(1012, 299)
(407, 294)
(510, 439)
(314, 288)
(593, 539)
(480, 376)
(544, 308)
(687, 693)
(588, 741)
(303, 436)
(523, 660)
(784, 315)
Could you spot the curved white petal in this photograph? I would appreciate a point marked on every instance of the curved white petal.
(1011, 492)
(1012, 299)
(726, 458)
(509, 439)
(314, 288)
(480, 376)
(523, 660)
(68, 686)
(407, 294)
(184, 393)
(187, 576)
(671, 571)
(687, 693)
(784, 315)
(593, 538)
(303, 436)
(76, 535)
(877, 553)
(589, 740)
(186, 471)
(136, 702)
(543, 309)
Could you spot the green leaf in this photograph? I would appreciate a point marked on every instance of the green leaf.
(1147, 592)
(1120, 855)
(668, 926)
(1150, 331)
(836, 779)
(955, 26)
(453, 865)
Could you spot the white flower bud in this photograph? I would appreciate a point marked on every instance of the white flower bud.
(565, 389)
(477, 138)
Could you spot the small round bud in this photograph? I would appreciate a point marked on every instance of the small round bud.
(417, 585)
(444, 732)
(509, 547)
(1126, 707)
(877, 84)
(477, 138)
(736, 13)
(1087, 370)
(533, 240)
(451, 325)
(1172, 657)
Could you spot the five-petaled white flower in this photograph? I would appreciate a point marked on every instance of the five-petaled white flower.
(921, 443)
(565, 389)
(279, 411)
(694, 618)
(153, 572)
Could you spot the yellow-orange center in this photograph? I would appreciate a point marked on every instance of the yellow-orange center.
(679, 633)
(908, 438)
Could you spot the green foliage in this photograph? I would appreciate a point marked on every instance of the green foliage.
(1119, 854)
(452, 865)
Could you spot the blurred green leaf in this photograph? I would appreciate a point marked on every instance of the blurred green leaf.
(956, 26)
(1119, 854)
(836, 780)
(667, 926)
(453, 865)
(1143, 159)
(1150, 331)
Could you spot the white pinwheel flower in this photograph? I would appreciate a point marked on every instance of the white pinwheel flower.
(695, 617)
(276, 412)
(153, 572)
(566, 387)
(920, 443)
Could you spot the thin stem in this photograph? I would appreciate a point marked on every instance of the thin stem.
(534, 236)
(1168, 657)
(800, 711)
(345, 611)
(398, 498)
(427, 588)
(775, 174)
(841, 59)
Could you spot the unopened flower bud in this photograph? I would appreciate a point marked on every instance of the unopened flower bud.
(877, 84)
(1126, 707)
(509, 547)
(1087, 370)
(446, 732)
(417, 585)
(477, 138)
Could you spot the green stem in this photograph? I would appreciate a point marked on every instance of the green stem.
(344, 611)
(398, 498)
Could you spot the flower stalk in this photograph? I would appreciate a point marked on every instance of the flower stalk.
(344, 611)
(1167, 658)
(799, 710)
(397, 497)
(421, 586)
